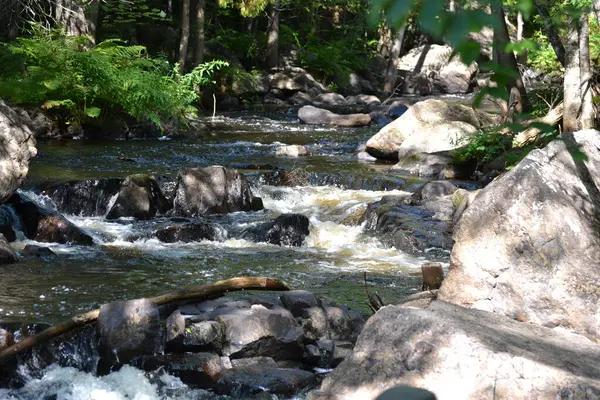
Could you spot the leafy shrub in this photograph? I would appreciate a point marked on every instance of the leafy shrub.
(62, 72)
(482, 147)
(543, 58)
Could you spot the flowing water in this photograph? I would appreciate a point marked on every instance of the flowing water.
(126, 264)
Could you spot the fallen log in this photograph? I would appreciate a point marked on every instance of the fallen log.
(196, 293)
(531, 135)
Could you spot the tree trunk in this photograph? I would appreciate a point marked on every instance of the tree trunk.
(507, 59)
(391, 73)
(72, 17)
(92, 14)
(272, 56)
(452, 6)
(552, 32)
(185, 35)
(200, 20)
(572, 80)
(587, 103)
(521, 58)
(385, 43)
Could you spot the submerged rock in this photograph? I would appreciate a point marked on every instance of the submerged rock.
(318, 116)
(140, 197)
(412, 229)
(294, 150)
(463, 353)
(190, 232)
(253, 380)
(527, 247)
(7, 222)
(86, 198)
(17, 147)
(45, 225)
(129, 328)
(212, 190)
(199, 370)
(285, 230)
(7, 253)
(38, 251)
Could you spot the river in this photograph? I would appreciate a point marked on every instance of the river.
(126, 264)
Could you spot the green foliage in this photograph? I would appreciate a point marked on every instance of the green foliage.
(81, 81)
(248, 8)
(482, 147)
(543, 98)
(543, 57)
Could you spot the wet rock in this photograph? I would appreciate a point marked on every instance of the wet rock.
(7, 222)
(17, 147)
(281, 177)
(334, 99)
(6, 339)
(432, 165)
(527, 246)
(140, 197)
(7, 253)
(199, 370)
(295, 80)
(175, 331)
(129, 328)
(285, 230)
(259, 331)
(251, 381)
(31, 250)
(298, 300)
(319, 354)
(437, 69)
(211, 190)
(318, 116)
(462, 199)
(396, 110)
(203, 336)
(168, 187)
(301, 99)
(344, 324)
(314, 323)
(428, 127)
(294, 150)
(253, 361)
(45, 225)
(433, 190)
(364, 99)
(412, 229)
(190, 232)
(464, 353)
(86, 198)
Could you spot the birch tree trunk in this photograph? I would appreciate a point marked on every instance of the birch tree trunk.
(587, 104)
(572, 80)
(507, 59)
(272, 56)
(200, 38)
(185, 35)
(391, 73)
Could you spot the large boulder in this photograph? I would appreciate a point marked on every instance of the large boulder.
(318, 116)
(190, 232)
(140, 197)
(435, 69)
(429, 126)
(460, 353)
(43, 224)
(211, 190)
(252, 381)
(285, 230)
(17, 147)
(528, 246)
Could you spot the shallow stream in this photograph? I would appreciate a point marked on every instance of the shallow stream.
(331, 264)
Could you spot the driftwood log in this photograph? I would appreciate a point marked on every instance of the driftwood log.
(531, 135)
(196, 293)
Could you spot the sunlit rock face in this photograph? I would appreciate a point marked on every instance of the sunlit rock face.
(528, 246)
(17, 147)
(461, 353)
